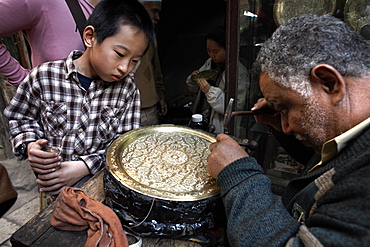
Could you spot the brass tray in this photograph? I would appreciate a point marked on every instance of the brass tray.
(164, 161)
(286, 9)
(205, 74)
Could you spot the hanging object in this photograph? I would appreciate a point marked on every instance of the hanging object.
(357, 16)
(286, 9)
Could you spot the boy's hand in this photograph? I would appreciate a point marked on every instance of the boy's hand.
(70, 172)
(272, 120)
(42, 162)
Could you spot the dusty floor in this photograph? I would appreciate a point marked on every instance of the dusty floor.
(27, 204)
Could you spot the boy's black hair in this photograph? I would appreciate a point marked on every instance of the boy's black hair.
(218, 35)
(109, 15)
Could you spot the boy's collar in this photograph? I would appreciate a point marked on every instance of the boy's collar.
(70, 67)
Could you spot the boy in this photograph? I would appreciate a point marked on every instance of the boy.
(82, 103)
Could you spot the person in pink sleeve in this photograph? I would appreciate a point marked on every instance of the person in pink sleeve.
(49, 28)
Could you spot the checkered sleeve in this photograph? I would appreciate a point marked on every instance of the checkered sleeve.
(22, 113)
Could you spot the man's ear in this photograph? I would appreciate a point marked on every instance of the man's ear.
(88, 36)
(330, 80)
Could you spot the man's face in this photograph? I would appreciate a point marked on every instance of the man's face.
(310, 120)
(153, 9)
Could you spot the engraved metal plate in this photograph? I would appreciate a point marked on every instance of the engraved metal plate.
(286, 9)
(205, 74)
(164, 161)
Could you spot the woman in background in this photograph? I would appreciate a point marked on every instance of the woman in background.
(210, 100)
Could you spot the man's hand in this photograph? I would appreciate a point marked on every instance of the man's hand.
(272, 120)
(223, 152)
(70, 172)
(42, 162)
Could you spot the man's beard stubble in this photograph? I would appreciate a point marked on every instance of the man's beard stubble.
(314, 124)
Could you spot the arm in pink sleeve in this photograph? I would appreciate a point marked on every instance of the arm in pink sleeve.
(10, 67)
(11, 22)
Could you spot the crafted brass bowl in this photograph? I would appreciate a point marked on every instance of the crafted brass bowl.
(164, 161)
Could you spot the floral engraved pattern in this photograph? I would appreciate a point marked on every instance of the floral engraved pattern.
(169, 165)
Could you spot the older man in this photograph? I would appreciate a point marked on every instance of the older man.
(148, 76)
(314, 71)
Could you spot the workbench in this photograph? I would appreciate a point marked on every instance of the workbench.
(39, 232)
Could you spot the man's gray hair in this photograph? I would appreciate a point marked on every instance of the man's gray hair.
(305, 41)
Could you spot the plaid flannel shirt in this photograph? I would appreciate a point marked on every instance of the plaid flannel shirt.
(51, 104)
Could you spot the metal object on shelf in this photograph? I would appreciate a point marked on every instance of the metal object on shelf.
(286, 9)
(357, 16)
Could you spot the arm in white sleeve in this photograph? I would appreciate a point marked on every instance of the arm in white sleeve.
(216, 99)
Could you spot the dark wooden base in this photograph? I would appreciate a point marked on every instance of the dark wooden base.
(39, 232)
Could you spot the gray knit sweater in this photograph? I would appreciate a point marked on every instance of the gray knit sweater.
(332, 203)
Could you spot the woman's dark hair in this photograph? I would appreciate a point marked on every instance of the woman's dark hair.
(109, 15)
(218, 35)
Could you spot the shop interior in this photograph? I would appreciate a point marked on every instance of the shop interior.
(181, 48)
(248, 23)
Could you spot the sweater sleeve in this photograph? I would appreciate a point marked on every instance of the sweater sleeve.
(256, 217)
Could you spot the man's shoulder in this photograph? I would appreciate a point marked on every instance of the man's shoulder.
(354, 157)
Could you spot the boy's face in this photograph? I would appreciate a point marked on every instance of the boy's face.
(117, 55)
